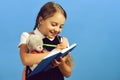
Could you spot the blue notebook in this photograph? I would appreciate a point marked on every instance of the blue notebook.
(44, 65)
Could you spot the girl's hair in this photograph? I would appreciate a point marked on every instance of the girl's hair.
(48, 11)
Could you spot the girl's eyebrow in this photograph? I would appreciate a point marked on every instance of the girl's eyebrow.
(62, 24)
(57, 23)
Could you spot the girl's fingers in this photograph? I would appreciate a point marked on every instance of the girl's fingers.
(55, 63)
(62, 60)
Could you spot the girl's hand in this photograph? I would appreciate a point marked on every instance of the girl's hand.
(61, 62)
(63, 65)
(61, 46)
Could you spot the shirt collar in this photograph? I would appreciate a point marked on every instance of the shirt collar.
(37, 32)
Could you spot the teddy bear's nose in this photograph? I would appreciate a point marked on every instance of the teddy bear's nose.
(40, 47)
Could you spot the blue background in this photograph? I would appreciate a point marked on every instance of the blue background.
(93, 24)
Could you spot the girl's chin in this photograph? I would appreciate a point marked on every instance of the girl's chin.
(51, 36)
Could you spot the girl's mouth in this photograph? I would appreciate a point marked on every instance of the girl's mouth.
(53, 33)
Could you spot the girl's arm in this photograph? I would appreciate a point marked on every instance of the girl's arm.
(29, 58)
(65, 63)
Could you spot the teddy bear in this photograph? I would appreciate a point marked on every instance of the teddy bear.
(35, 45)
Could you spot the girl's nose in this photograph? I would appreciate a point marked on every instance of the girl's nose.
(57, 29)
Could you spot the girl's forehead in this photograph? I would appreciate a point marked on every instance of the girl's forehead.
(57, 17)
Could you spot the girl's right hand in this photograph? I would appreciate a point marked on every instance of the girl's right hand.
(61, 46)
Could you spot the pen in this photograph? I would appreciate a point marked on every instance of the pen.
(49, 45)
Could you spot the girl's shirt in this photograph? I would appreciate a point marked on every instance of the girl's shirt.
(52, 74)
(25, 36)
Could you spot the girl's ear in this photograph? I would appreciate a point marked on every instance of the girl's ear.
(40, 20)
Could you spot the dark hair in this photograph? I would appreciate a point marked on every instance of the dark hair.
(48, 11)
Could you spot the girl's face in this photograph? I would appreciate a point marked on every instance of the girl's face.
(52, 26)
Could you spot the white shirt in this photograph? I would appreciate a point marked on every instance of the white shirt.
(25, 35)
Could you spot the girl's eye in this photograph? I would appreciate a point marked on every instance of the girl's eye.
(54, 24)
(61, 27)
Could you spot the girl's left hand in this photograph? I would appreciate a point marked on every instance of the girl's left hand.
(61, 62)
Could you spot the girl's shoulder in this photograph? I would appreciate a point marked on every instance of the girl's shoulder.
(24, 37)
(26, 34)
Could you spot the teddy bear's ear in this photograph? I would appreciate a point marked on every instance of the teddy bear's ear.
(29, 40)
(28, 43)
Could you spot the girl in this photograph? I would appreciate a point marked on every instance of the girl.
(49, 23)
